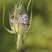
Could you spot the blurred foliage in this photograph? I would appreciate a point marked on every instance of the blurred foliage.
(39, 37)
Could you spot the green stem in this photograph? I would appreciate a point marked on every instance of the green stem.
(19, 41)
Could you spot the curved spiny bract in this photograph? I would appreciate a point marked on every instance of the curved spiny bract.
(4, 23)
(30, 2)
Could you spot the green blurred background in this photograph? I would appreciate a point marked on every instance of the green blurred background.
(39, 37)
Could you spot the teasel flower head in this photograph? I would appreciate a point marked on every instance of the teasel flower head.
(18, 19)
(19, 22)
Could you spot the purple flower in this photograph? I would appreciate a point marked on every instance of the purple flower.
(23, 19)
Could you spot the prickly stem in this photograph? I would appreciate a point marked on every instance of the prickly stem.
(19, 42)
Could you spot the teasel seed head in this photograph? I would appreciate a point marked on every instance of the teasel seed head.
(18, 19)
